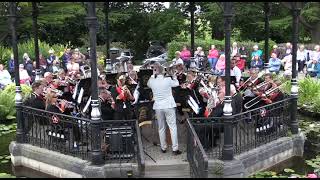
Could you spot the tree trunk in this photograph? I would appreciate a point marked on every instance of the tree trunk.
(315, 34)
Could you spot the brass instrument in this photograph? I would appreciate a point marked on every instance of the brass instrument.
(69, 104)
(257, 99)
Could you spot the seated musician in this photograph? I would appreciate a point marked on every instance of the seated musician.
(52, 105)
(193, 84)
(246, 87)
(36, 100)
(236, 103)
(123, 99)
(107, 104)
(235, 71)
(48, 78)
(273, 96)
(261, 90)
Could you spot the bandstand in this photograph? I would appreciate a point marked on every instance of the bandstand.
(245, 145)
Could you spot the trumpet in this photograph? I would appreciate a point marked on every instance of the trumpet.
(68, 104)
(56, 91)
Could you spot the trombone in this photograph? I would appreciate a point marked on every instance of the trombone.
(257, 99)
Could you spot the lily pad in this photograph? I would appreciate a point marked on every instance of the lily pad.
(8, 157)
(4, 161)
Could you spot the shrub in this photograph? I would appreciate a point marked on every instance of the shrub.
(7, 101)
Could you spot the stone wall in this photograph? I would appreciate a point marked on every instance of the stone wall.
(258, 159)
(63, 166)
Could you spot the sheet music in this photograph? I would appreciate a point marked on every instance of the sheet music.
(193, 105)
(80, 95)
(87, 105)
(75, 92)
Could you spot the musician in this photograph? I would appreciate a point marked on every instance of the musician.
(36, 99)
(181, 76)
(48, 78)
(260, 90)
(235, 71)
(274, 96)
(107, 104)
(246, 87)
(164, 106)
(52, 105)
(193, 86)
(123, 98)
(268, 84)
(236, 102)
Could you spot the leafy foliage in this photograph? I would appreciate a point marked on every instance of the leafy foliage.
(287, 173)
(7, 129)
(7, 101)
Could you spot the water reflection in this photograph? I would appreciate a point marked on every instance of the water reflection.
(24, 172)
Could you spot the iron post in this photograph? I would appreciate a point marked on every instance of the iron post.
(227, 152)
(96, 155)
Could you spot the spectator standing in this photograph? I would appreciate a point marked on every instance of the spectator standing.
(185, 55)
(213, 57)
(275, 50)
(28, 65)
(221, 65)
(302, 56)
(11, 65)
(234, 49)
(50, 60)
(199, 56)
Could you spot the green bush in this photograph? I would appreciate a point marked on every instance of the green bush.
(7, 101)
(206, 44)
(28, 47)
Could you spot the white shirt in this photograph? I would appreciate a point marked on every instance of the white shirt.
(177, 61)
(5, 77)
(237, 73)
(301, 55)
(162, 91)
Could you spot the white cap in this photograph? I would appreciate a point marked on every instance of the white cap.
(51, 51)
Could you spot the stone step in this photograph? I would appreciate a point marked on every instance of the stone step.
(166, 169)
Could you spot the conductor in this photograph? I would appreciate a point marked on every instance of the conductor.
(164, 106)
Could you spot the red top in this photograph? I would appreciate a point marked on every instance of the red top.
(241, 64)
(213, 53)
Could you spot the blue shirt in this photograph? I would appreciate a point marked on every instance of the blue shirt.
(254, 53)
(274, 65)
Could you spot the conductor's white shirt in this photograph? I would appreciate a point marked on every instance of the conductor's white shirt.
(162, 91)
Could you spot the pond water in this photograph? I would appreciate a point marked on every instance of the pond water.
(296, 163)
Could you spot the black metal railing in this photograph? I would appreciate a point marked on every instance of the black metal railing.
(120, 139)
(251, 129)
(196, 155)
(57, 132)
(210, 134)
(260, 126)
